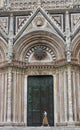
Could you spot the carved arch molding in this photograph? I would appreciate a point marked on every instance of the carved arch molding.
(40, 52)
(39, 46)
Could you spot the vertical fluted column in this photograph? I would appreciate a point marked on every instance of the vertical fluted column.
(60, 92)
(65, 96)
(55, 99)
(14, 96)
(5, 97)
(70, 95)
(25, 100)
(9, 94)
(9, 58)
(2, 95)
(74, 95)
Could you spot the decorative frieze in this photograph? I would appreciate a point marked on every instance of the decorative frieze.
(30, 4)
(57, 4)
(25, 4)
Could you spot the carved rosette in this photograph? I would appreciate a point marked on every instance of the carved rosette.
(40, 52)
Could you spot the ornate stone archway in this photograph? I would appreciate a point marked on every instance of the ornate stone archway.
(3, 50)
(76, 48)
(50, 41)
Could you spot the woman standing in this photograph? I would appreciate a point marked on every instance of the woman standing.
(45, 119)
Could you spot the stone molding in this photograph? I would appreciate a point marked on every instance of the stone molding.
(16, 4)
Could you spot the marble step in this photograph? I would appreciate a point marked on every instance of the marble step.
(40, 128)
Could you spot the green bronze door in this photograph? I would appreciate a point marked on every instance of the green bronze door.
(39, 99)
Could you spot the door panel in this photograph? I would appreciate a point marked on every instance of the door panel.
(40, 99)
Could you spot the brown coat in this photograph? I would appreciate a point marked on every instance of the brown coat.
(45, 121)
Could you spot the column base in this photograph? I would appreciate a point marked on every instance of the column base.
(12, 124)
(68, 124)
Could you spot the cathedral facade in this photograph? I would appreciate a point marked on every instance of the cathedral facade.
(39, 62)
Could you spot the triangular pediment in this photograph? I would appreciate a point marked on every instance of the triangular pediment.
(39, 20)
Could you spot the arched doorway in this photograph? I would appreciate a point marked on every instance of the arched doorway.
(39, 99)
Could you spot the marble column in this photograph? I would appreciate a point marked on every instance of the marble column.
(25, 99)
(55, 99)
(9, 59)
(9, 94)
(65, 96)
(10, 40)
(70, 112)
(68, 37)
(74, 96)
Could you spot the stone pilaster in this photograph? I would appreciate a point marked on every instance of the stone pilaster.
(9, 94)
(74, 95)
(10, 41)
(14, 96)
(25, 100)
(68, 37)
(60, 93)
(65, 97)
(55, 100)
(70, 111)
(9, 58)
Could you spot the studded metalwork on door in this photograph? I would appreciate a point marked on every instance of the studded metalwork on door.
(39, 99)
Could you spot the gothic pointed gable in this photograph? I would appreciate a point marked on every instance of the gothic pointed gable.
(38, 20)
